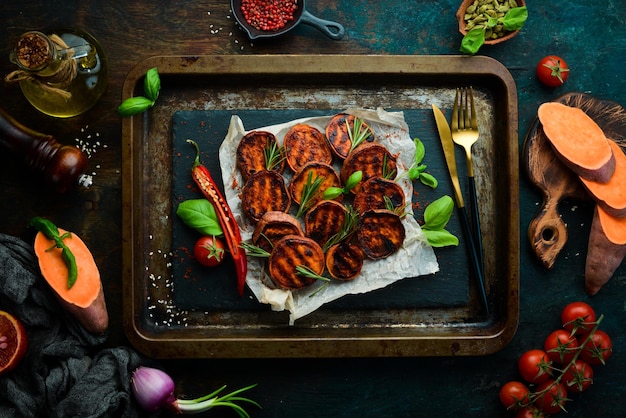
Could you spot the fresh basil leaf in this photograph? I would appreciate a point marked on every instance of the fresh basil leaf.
(440, 238)
(429, 180)
(134, 105)
(354, 179)
(473, 40)
(200, 215)
(332, 193)
(152, 84)
(438, 212)
(514, 19)
(420, 150)
(492, 22)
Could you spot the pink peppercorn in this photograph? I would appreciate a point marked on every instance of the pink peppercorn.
(268, 15)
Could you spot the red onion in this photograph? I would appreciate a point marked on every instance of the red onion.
(154, 390)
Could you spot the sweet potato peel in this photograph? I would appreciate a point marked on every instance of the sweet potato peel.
(606, 249)
(85, 299)
(578, 140)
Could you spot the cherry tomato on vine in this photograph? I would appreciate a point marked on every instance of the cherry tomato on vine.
(534, 366)
(561, 346)
(553, 397)
(529, 412)
(597, 349)
(578, 377)
(514, 394)
(552, 71)
(209, 251)
(578, 317)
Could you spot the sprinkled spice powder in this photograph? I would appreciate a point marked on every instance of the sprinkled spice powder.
(268, 15)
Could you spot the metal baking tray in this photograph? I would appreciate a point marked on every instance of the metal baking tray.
(438, 315)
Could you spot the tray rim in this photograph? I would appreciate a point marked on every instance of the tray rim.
(495, 335)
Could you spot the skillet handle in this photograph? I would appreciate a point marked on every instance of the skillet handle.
(329, 28)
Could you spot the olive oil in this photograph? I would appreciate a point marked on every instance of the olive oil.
(72, 77)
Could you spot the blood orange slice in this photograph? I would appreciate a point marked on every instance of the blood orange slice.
(13, 342)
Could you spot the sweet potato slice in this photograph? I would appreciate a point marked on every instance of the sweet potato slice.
(304, 143)
(381, 233)
(338, 137)
(606, 249)
(289, 253)
(316, 169)
(344, 261)
(324, 220)
(85, 299)
(373, 159)
(578, 141)
(373, 192)
(612, 194)
(272, 227)
(265, 191)
(251, 153)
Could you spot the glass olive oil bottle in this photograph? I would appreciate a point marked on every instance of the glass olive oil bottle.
(62, 74)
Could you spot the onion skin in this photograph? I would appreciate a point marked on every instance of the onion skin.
(153, 389)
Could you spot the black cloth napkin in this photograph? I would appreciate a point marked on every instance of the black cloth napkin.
(65, 372)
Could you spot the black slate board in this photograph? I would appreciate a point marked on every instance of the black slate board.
(199, 288)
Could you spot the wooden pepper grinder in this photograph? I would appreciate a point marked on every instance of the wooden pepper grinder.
(62, 166)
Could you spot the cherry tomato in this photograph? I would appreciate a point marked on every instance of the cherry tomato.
(552, 71)
(529, 412)
(561, 346)
(597, 349)
(578, 317)
(553, 397)
(513, 395)
(534, 366)
(578, 377)
(209, 251)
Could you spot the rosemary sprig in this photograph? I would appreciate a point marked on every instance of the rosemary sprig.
(357, 134)
(309, 191)
(253, 250)
(400, 210)
(387, 173)
(348, 227)
(274, 156)
(306, 271)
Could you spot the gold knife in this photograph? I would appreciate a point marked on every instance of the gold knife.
(445, 135)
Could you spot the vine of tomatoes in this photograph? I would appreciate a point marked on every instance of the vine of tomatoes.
(565, 365)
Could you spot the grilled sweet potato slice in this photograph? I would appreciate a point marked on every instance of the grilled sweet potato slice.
(338, 137)
(372, 195)
(380, 233)
(293, 251)
(300, 179)
(265, 191)
(373, 159)
(324, 220)
(344, 261)
(251, 153)
(272, 227)
(304, 143)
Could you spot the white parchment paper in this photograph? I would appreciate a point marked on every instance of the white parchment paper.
(415, 258)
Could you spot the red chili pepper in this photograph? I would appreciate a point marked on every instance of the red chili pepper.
(209, 189)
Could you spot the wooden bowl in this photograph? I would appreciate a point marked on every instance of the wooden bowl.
(462, 24)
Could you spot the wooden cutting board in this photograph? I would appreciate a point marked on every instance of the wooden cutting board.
(547, 232)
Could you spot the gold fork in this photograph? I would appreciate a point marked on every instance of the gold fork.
(465, 133)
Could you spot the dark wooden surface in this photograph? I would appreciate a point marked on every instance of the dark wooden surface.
(590, 35)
